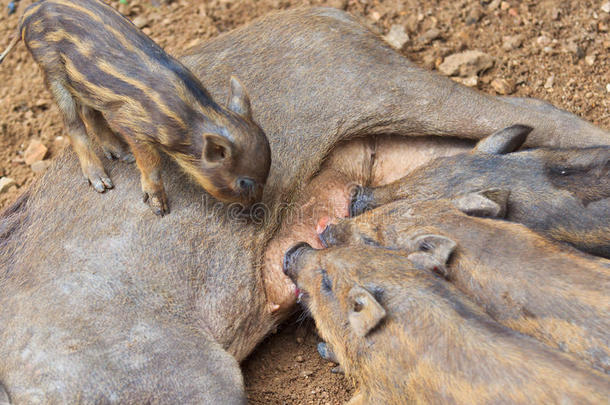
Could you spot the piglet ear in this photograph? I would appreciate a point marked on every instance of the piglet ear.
(216, 150)
(490, 203)
(365, 311)
(504, 141)
(431, 252)
(239, 102)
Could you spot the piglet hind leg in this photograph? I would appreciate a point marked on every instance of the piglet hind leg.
(91, 165)
(112, 145)
(149, 163)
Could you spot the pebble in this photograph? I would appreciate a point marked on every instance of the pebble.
(474, 16)
(606, 7)
(6, 183)
(397, 36)
(575, 49)
(306, 373)
(504, 5)
(39, 167)
(299, 359)
(466, 64)
(503, 86)
(340, 4)
(472, 81)
(300, 340)
(543, 40)
(429, 36)
(60, 142)
(512, 42)
(608, 88)
(590, 60)
(494, 4)
(549, 82)
(140, 21)
(35, 152)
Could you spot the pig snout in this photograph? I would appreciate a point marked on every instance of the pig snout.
(291, 258)
(328, 236)
(362, 200)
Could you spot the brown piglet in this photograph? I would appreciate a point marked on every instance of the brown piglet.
(551, 292)
(405, 335)
(103, 71)
(561, 193)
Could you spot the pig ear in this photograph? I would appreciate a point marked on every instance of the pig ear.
(365, 311)
(431, 252)
(504, 141)
(239, 102)
(216, 150)
(486, 203)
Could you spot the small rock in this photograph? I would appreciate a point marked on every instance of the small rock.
(140, 21)
(306, 373)
(590, 60)
(60, 142)
(299, 359)
(340, 4)
(35, 152)
(494, 4)
(504, 5)
(503, 86)
(300, 340)
(375, 16)
(575, 49)
(549, 82)
(555, 13)
(543, 40)
(472, 81)
(146, 31)
(608, 88)
(39, 167)
(512, 42)
(466, 64)
(397, 36)
(513, 11)
(606, 7)
(474, 16)
(429, 36)
(6, 183)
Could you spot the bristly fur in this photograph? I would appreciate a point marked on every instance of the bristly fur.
(96, 59)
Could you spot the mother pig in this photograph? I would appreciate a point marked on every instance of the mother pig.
(100, 302)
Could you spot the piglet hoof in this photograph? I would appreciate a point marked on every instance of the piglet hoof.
(98, 178)
(157, 201)
(327, 354)
(114, 153)
(361, 201)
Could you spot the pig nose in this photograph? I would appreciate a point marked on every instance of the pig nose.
(246, 185)
(361, 201)
(291, 257)
(327, 236)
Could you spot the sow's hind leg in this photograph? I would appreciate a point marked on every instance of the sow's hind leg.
(91, 165)
(112, 145)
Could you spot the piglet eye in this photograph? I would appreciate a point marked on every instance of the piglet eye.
(369, 241)
(326, 283)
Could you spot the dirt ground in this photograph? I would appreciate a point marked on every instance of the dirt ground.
(556, 50)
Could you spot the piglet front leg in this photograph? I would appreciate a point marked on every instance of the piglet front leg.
(149, 163)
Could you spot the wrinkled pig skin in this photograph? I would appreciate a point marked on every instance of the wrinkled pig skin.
(102, 302)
